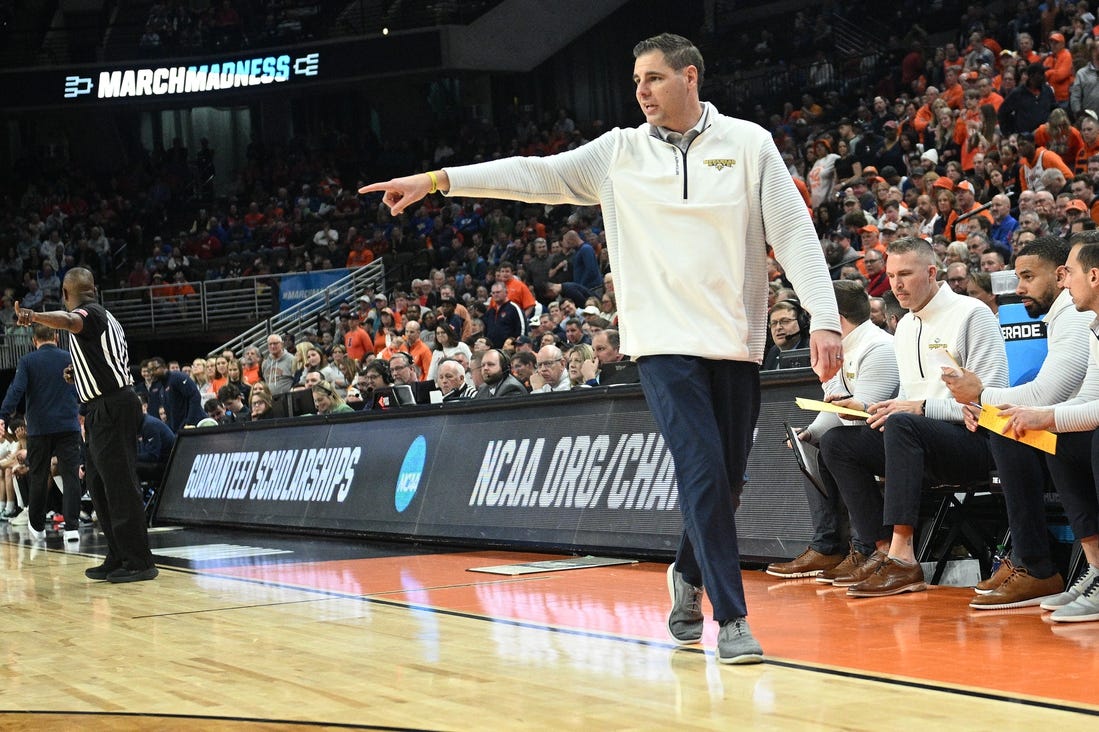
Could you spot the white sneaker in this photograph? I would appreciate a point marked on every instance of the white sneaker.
(1074, 591)
(72, 535)
(19, 520)
(35, 535)
(1081, 610)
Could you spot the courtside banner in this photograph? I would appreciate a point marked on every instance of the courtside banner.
(567, 473)
(584, 471)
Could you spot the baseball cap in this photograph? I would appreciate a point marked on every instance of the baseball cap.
(1077, 205)
(590, 310)
(943, 182)
(889, 226)
(868, 228)
(381, 297)
(890, 124)
(964, 185)
(1055, 36)
(535, 322)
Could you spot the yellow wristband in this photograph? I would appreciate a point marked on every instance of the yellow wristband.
(434, 182)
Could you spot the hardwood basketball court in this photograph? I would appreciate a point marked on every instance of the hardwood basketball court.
(255, 631)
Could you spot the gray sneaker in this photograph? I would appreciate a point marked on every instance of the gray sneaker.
(1075, 590)
(736, 644)
(19, 519)
(685, 617)
(1083, 608)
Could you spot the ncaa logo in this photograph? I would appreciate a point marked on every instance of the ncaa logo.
(412, 469)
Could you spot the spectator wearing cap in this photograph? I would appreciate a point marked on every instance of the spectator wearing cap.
(964, 221)
(1075, 211)
(929, 160)
(888, 231)
(1028, 105)
(1059, 69)
(356, 340)
(590, 313)
(870, 238)
(1084, 92)
(839, 253)
(1034, 161)
(892, 153)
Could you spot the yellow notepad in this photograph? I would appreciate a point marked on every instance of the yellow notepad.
(991, 420)
(815, 405)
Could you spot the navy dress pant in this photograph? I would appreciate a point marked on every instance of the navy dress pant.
(707, 410)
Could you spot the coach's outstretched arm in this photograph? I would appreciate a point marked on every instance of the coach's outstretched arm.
(400, 193)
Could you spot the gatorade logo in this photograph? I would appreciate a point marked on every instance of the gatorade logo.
(412, 469)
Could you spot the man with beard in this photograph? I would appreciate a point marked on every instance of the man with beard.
(174, 391)
(498, 381)
(1028, 576)
(838, 252)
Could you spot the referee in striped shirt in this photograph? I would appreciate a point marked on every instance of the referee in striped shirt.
(112, 422)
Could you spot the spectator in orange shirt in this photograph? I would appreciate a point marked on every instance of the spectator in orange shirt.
(416, 348)
(1089, 134)
(1059, 72)
(925, 115)
(518, 292)
(953, 92)
(356, 340)
(250, 365)
(359, 256)
(988, 94)
(1060, 136)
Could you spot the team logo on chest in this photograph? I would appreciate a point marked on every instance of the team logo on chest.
(720, 163)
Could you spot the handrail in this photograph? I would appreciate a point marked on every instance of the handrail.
(228, 304)
(295, 319)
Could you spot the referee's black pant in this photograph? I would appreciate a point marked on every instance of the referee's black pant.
(111, 426)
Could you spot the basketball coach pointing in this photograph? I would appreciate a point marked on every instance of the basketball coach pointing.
(690, 201)
(112, 420)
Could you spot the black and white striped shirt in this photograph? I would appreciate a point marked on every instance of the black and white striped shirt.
(101, 359)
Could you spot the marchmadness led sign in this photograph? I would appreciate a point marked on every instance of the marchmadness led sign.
(164, 81)
(229, 78)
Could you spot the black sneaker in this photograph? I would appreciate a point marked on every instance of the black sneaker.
(101, 572)
(132, 575)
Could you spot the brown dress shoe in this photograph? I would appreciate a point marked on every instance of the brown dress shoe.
(861, 572)
(996, 579)
(1020, 589)
(891, 578)
(809, 564)
(850, 563)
